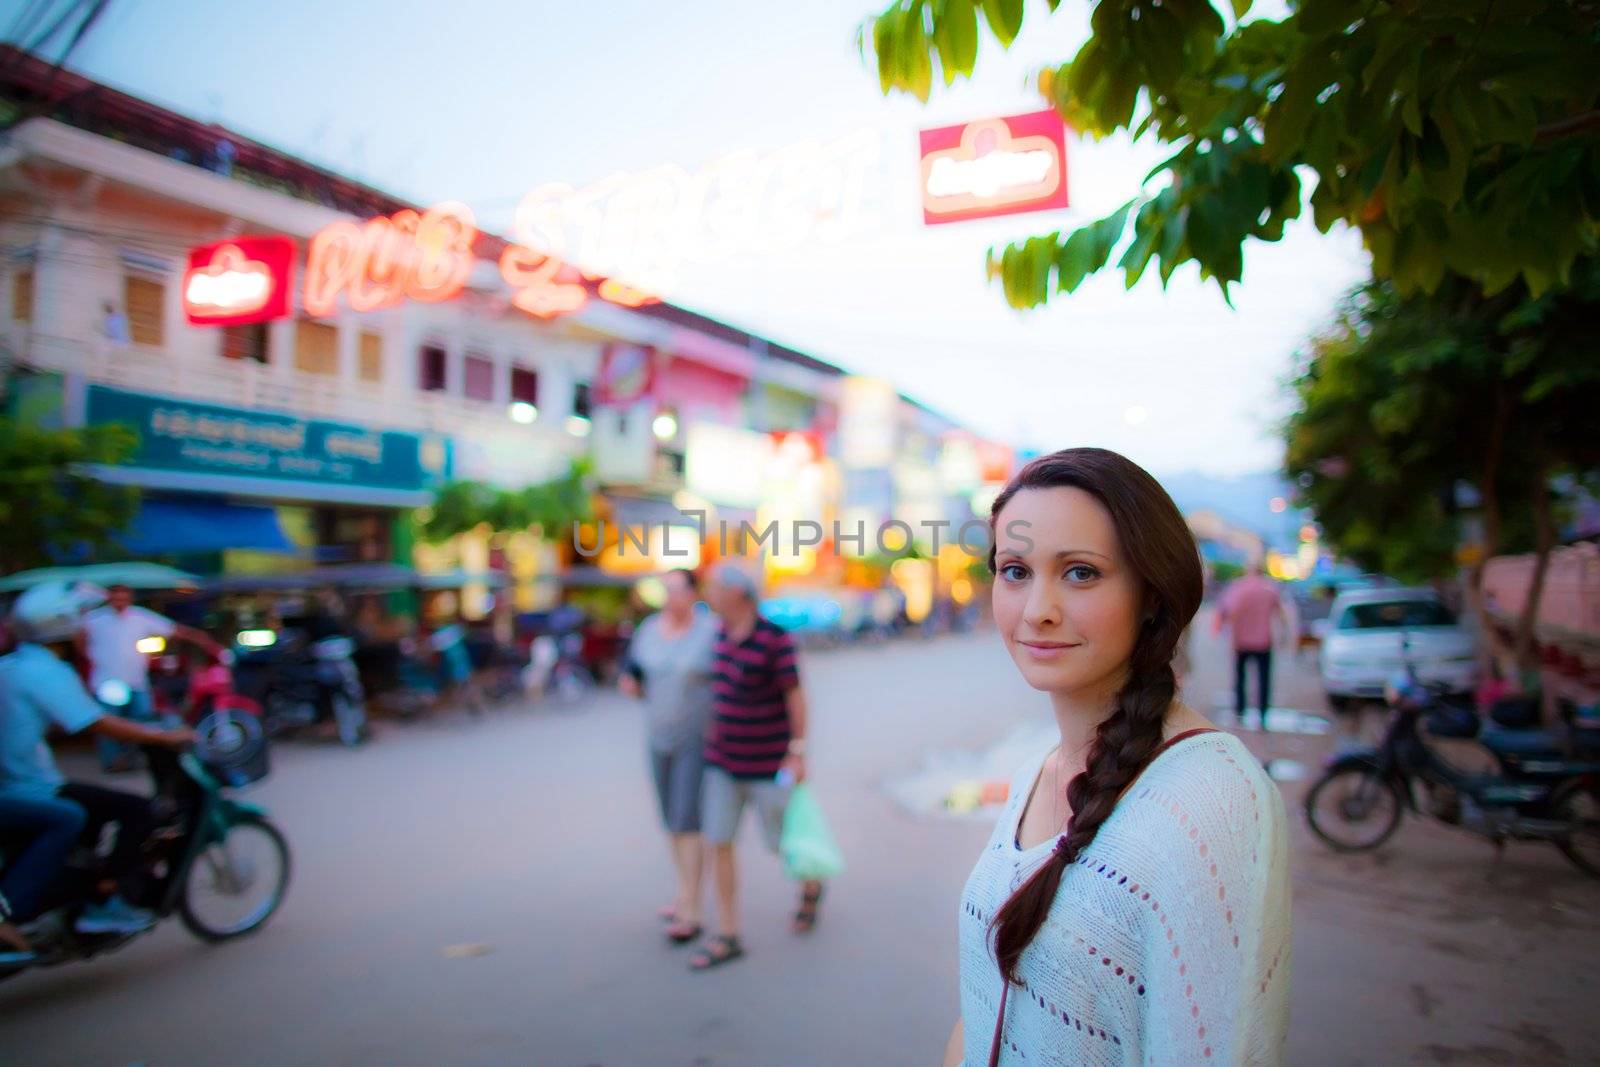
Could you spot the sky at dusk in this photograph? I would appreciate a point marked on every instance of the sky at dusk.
(482, 100)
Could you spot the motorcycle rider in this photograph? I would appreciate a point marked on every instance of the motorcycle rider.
(40, 832)
(109, 637)
(39, 689)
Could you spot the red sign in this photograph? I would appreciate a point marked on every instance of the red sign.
(246, 279)
(1003, 166)
(627, 373)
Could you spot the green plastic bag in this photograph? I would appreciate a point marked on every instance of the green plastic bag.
(808, 848)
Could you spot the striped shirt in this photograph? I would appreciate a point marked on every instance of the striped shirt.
(749, 735)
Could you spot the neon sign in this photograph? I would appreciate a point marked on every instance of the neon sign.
(244, 280)
(425, 257)
(638, 230)
(1002, 166)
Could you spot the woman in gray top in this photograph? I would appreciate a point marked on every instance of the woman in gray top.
(668, 667)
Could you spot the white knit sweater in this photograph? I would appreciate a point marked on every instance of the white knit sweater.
(1168, 941)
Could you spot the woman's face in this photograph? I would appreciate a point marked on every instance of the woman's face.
(680, 597)
(1065, 599)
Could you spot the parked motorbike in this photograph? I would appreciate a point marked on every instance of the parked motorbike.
(299, 682)
(211, 688)
(216, 862)
(556, 669)
(1546, 788)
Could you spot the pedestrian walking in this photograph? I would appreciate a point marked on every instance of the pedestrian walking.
(1132, 904)
(668, 668)
(110, 639)
(1247, 608)
(755, 748)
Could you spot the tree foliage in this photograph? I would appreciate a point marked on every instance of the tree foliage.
(1408, 397)
(1458, 136)
(50, 506)
(552, 506)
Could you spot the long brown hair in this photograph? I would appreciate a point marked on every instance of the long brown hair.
(1159, 547)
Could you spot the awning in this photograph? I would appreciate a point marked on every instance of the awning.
(353, 578)
(134, 575)
(646, 511)
(166, 526)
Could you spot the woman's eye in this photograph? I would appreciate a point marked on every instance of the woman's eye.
(1082, 572)
(1013, 572)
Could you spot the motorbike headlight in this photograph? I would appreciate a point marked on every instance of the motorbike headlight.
(151, 646)
(114, 693)
(256, 639)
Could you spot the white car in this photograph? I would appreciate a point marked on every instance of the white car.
(1372, 633)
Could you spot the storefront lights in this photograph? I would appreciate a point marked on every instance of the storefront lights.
(523, 412)
(665, 426)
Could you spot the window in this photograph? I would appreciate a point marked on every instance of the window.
(524, 386)
(316, 347)
(22, 296)
(1395, 615)
(431, 369)
(146, 301)
(245, 342)
(477, 379)
(369, 367)
(580, 399)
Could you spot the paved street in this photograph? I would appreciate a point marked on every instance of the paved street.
(532, 835)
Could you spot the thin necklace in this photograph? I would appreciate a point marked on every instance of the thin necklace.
(1056, 791)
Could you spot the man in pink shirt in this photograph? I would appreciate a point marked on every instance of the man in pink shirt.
(1247, 608)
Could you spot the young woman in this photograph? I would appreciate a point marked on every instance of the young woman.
(1132, 905)
(668, 667)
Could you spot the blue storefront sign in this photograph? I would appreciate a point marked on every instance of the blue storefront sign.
(185, 444)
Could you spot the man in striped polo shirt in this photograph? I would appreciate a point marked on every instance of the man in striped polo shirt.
(758, 728)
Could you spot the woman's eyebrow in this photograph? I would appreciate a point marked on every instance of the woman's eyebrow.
(1063, 554)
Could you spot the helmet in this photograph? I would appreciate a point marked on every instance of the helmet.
(53, 611)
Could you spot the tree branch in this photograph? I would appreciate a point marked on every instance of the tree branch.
(1567, 127)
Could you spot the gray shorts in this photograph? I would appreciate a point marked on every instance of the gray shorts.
(677, 775)
(723, 798)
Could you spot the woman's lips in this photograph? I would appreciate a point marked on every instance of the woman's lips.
(1046, 650)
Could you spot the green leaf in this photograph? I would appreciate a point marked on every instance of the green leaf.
(1076, 259)
(1086, 69)
(961, 21)
(941, 41)
(1158, 41)
(883, 45)
(1290, 114)
(912, 45)
(1005, 19)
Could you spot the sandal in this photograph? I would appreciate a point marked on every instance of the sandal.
(682, 933)
(805, 918)
(710, 956)
(667, 913)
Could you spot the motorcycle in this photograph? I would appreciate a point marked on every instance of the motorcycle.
(1547, 787)
(216, 862)
(556, 669)
(299, 682)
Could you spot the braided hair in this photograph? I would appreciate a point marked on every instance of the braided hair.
(1161, 550)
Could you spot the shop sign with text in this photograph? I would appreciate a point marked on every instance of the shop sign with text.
(196, 438)
(239, 281)
(1003, 166)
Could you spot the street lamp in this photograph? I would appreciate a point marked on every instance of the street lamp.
(578, 426)
(665, 426)
(523, 412)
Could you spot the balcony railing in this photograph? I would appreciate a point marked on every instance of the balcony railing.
(256, 386)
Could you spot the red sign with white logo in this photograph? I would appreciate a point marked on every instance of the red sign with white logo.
(993, 167)
(627, 375)
(241, 280)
